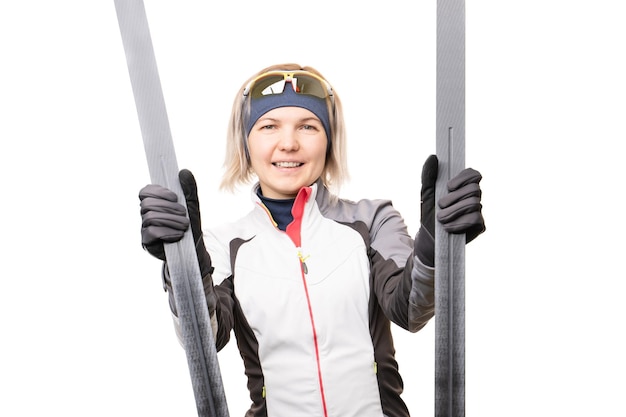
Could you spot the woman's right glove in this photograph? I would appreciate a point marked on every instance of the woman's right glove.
(164, 220)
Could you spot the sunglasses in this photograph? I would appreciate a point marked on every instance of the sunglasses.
(302, 82)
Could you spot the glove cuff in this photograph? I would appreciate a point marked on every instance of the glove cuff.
(424, 247)
(156, 250)
(207, 283)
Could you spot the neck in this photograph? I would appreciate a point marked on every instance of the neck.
(280, 209)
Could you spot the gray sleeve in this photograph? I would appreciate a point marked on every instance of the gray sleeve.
(422, 296)
(403, 285)
(409, 292)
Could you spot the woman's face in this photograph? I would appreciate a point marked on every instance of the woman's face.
(287, 149)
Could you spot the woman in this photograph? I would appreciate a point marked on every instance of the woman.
(310, 282)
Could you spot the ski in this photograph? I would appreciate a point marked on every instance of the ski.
(450, 249)
(182, 262)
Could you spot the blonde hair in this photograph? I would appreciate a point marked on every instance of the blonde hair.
(237, 163)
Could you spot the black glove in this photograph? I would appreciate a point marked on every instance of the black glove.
(461, 209)
(163, 219)
(425, 240)
(188, 184)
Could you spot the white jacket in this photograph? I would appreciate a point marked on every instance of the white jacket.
(311, 307)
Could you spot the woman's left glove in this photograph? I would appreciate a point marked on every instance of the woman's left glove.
(461, 209)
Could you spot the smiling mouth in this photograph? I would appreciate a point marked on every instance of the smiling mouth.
(287, 164)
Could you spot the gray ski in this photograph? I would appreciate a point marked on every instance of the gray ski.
(450, 249)
(181, 257)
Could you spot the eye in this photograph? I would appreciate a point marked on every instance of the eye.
(311, 126)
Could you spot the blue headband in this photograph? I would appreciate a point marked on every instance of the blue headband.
(289, 98)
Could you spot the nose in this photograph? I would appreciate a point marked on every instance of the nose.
(288, 140)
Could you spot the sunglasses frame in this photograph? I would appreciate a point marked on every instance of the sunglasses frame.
(288, 76)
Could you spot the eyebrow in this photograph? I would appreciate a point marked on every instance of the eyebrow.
(306, 119)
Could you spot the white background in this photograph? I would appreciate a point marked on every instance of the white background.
(85, 324)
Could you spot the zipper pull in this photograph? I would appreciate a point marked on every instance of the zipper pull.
(302, 261)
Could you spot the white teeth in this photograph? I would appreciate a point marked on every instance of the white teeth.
(287, 164)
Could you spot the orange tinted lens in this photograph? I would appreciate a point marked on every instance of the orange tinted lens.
(306, 84)
(268, 85)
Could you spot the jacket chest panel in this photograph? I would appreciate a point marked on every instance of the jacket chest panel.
(278, 299)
